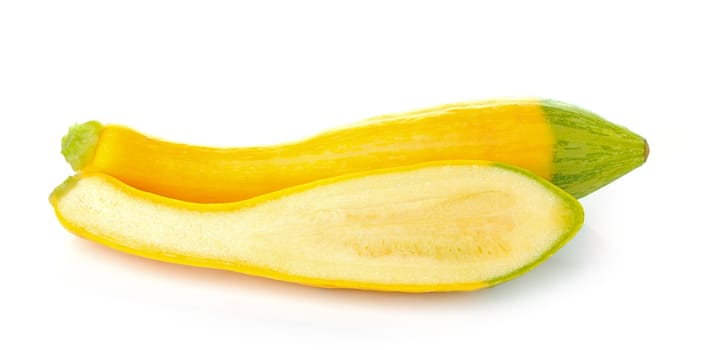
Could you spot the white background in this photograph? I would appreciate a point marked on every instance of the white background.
(227, 74)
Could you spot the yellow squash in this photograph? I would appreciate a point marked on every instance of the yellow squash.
(438, 226)
(575, 149)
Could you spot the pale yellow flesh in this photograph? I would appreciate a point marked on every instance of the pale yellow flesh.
(425, 226)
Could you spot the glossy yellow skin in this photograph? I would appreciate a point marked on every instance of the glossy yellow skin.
(509, 131)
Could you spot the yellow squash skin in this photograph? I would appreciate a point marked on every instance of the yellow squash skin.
(565, 210)
(514, 133)
(548, 139)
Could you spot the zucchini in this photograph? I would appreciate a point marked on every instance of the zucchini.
(572, 147)
(437, 226)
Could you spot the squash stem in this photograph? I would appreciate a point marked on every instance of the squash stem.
(78, 146)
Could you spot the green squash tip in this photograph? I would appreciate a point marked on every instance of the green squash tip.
(78, 145)
(61, 189)
(646, 150)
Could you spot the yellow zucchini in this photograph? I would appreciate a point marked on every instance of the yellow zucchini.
(438, 226)
(574, 148)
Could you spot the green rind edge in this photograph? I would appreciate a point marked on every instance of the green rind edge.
(63, 188)
(589, 151)
(78, 145)
(577, 219)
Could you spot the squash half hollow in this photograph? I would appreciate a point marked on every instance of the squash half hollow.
(438, 226)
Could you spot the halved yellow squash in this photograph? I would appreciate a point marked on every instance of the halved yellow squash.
(438, 226)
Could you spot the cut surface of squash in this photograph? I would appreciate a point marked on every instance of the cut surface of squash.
(439, 226)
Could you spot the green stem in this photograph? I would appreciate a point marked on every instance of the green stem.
(78, 146)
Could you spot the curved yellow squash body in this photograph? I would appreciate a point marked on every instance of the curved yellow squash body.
(438, 226)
